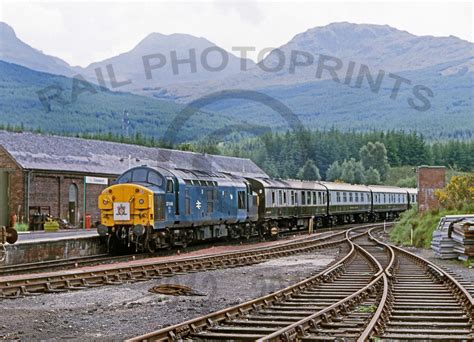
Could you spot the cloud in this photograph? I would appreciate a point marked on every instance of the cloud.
(249, 11)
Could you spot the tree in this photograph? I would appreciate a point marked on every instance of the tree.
(375, 155)
(334, 171)
(372, 176)
(309, 171)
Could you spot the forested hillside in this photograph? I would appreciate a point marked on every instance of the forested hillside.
(88, 109)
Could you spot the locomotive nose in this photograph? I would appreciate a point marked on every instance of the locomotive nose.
(126, 204)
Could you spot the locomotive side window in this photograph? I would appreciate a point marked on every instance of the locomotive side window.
(241, 199)
(169, 186)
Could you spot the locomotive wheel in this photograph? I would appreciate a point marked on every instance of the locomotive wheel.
(151, 245)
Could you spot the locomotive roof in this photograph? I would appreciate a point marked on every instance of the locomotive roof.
(66, 154)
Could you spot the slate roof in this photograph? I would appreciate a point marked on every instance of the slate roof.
(65, 154)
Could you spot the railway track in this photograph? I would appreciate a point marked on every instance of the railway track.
(14, 287)
(376, 291)
(71, 263)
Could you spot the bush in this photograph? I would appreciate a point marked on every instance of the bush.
(423, 225)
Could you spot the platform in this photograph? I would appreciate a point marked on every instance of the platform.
(41, 246)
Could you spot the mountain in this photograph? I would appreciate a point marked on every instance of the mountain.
(14, 50)
(88, 108)
(172, 49)
(325, 104)
(378, 47)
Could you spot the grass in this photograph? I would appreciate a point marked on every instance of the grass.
(422, 225)
(367, 308)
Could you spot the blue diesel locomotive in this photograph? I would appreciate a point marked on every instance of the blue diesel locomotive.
(150, 208)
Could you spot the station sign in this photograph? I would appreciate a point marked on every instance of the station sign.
(97, 180)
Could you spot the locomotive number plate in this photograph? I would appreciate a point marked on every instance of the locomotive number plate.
(121, 211)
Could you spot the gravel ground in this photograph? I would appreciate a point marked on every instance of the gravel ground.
(458, 267)
(119, 312)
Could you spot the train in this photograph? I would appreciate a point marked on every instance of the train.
(151, 208)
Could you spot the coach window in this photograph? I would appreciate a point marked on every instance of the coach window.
(303, 198)
(273, 197)
(284, 197)
(338, 197)
(356, 197)
(350, 197)
(324, 198)
(308, 197)
(280, 197)
(314, 198)
(292, 197)
(344, 197)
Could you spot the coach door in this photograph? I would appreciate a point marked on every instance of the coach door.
(4, 198)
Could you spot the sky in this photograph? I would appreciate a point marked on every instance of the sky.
(82, 32)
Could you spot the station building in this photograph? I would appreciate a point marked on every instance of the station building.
(63, 176)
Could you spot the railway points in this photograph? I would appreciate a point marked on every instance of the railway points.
(392, 294)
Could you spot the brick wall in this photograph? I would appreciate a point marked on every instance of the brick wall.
(430, 178)
(52, 190)
(16, 192)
